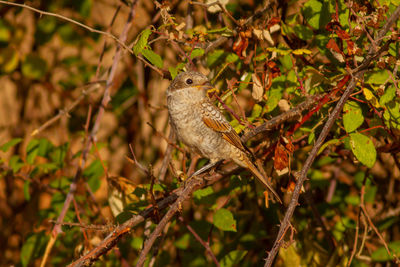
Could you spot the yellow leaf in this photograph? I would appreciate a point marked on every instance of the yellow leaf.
(371, 98)
(301, 52)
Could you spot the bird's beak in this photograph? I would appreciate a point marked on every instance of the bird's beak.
(207, 84)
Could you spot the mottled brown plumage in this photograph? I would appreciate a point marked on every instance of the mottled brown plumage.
(202, 127)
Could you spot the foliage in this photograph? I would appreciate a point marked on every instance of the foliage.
(264, 59)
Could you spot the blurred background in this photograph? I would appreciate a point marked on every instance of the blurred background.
(53, 76)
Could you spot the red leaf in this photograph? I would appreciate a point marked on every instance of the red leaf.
(273, 21)
(333, 45)
(281, 157)
(240, 45)
(342, 34)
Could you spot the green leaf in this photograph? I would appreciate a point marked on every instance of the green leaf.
(377, 77)
(93, 173)
(9, 59)
(215, 57)
(33, 248)
(330, 142)
(183, 242)
(15, 163)
(27, 194)
(312, 13)
(174, 71)
(231, 58)
(274, 94)
(290, 256)
(303, 32)
(84, 7)
(45, 28)
(198, 52)
(381, 254)
(353, 117)
(5, 147)
(261, 57)
(5, 32)
(32, 150)
(233, 258)
(392, 114)
(34, 67)
(69, 34)
(57, 155)
(199, 194)
(245, 80)
(223, 220)
(154, 58)
(311, 138)
(256, 112)
(141, 43)
(388, 96)
(363, 149)
(220, 30)
(370, 193)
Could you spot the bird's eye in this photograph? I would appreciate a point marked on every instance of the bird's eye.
(189, 81)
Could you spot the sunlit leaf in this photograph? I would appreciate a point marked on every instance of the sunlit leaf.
(352, 116)
(377, 77)
(141, 43)
(312, 13)
(198, 52)
(301, 52)
(363, 149)
(371, 97)
(389, 95)
(154, 58)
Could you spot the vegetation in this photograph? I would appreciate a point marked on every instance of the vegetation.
(91, 174)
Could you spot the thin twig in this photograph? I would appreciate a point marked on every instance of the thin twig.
(112, 239)
(119, 41)
(167, 157)
(65, 111)
(183, 192)
(362, 205)
(201, 241)
(92, 136)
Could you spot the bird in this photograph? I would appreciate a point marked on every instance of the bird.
(201, 126)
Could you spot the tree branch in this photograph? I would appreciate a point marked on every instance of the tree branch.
(356, 75)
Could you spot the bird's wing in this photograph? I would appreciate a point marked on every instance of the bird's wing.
(213, 119)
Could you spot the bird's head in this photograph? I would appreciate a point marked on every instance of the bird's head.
(192, 81)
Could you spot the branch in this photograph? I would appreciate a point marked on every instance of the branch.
(290, 115)
(89, 141)
(181, 193)
(356, 75)
(194, 184)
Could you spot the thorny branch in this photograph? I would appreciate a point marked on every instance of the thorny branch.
(356, 76)
(184, 192)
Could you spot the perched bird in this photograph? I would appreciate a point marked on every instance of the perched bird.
(202, 127)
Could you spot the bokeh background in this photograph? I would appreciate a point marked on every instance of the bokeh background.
(52, 79)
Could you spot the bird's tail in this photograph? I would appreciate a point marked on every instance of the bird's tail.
(260, 177)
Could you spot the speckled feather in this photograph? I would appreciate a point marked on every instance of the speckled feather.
(201, 126)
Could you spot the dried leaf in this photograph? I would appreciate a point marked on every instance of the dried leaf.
(258, 90)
